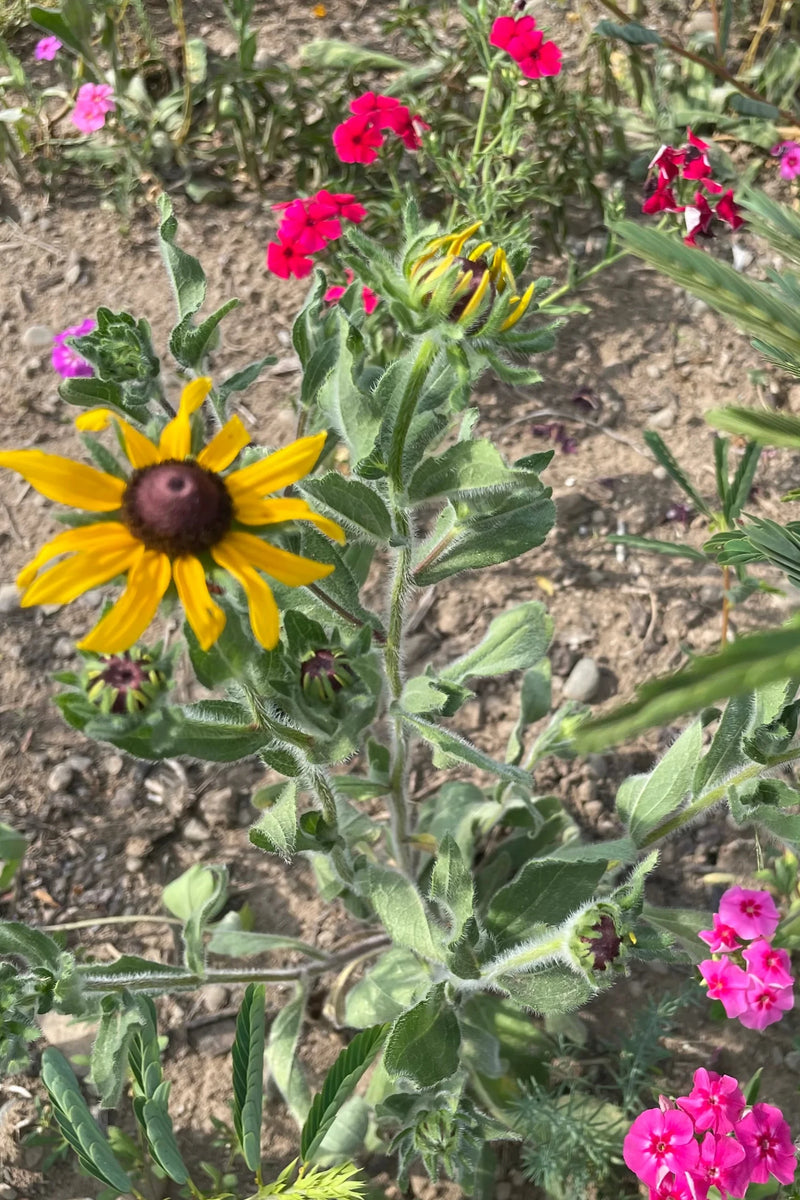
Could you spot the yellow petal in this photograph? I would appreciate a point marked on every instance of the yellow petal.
(277, 470)
(475, 254)
(94, 421)
(475, 299)
(79, 573)
(140, 450)
(290, 569)
(205, 617)
(101, 536)
(176, 438)
(124, 624)
(460, 242)
(66, 481)
(251, 511)
(501, 272)
(224, 446)
(264, 618)
(520, 308)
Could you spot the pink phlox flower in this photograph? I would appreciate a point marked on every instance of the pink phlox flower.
(672, 1188)
(667, 159)
(544, 61)
(505, 29)
(718, 1157)
(727, 983)
(790, 160)
(340, 204)
(357, 140)
(285, 258)
(67, 361)
(659, 1143)
(309, 231)
(374, 106)
(46, 49)
(766, 1003)
(722, 938)
(728, 211)
(751, 913)
(767, 1140)
(410, 132)
(93, 102)
(716, 1102)
(369, 298)
(769, 963)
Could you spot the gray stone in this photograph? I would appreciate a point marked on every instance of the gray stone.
(215, 997)
(792, 1060)
(64, 647)
(660, 473)
(7, 1192)
(32, 366)
(218, 807)
(79, 762)
(37, 337)
(9, 598)
(196, 831)
(664, 418)
(73, 274)
(583, 681)
(60, 778)
(742, 257)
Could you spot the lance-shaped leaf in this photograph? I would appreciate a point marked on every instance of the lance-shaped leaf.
(656, 546)
(670, 464)
(189, 343)
(464, 469)
(121, 1017)
(748, 663)
(186, 275)
(151, 1095)
(402, 911)
(514, 524)
(31, 945)
(339, 1085)
(451, 886)
(78, 1125)
(514, 641)
(645, 801)
(12, 849)
(248, 1071)
(768, 428)
(424, 1043)
(450, 749)
(239, 381)
(551, 990)
(281, 1056)
(542, 893)
(353, 502)
(276, 829)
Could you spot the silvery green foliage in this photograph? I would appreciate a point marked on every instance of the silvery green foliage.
(481, 905)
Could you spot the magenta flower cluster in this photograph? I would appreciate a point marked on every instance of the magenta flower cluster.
(673, 168)
(789, 154)
(753, 982)
(67, 361)
(93, 103)
(708, 1139)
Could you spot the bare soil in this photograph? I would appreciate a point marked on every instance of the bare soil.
(106, 832)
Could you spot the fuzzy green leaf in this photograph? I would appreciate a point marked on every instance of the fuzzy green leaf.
(31, 945)
(424, 1043)
(451, 886)
(248, 1067)
(402, 911)
(276, 829)
(352, 501)
(542, 893)
(396, 981)
(186, 275)
(339, 1085)
(121, 1017)
(514, 641)
(645, 801)
(464, 469)
(549, 991)
(518, 523)
(450, 748)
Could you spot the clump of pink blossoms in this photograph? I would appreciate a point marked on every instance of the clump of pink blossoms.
(666, 190)
(707, 1139)
(789, 154)
(67, 361)
(94, 101)
(360, 137)
(753, 982)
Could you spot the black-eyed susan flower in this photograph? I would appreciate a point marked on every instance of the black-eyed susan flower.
(171, 519)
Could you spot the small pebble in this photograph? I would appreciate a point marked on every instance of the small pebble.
(215, 997)
(660, 473)
(196, 831)
(583, 681)
(37, 337)
(9, 598)
(72, 274)
(664, 418)
(60, 778)
(64, 647)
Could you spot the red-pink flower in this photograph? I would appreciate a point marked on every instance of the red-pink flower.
(340, 204)
(767, 1140)
(668, 161)
(658, 1143)
(769, 963)
(378, 108)
(94, 100)
(716, 1102)
(544, 59)
(715, 1166)
(722, 938)
(672, 1188)
(661, 199)
(357, 140)
(766, 1003)
(728, 210)
(506, 28)
(46, 49)
(698, 217)
(310, 231)
(520, 38)
(727, 983)
(369, 298)
(287, 258)
(751, 913)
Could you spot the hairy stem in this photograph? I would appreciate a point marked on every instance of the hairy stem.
(480, 129)
(408, 405)
(709, 799)
(393, 653)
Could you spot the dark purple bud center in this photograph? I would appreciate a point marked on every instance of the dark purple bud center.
(177, 508)
(605, 946)
(476, 271)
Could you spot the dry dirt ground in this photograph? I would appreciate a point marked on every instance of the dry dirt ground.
(106, 832)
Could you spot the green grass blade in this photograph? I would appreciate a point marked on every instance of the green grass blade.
(674, 470)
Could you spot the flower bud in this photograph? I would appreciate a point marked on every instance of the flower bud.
(600, 943)
(124, 683)
(325, 672)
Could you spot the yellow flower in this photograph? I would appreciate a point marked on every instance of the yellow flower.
(171, 512)
(481, 270)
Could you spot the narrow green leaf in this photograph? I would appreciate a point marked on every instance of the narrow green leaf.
(656, 546)
(742, 484)
(161, 1136)
(282, 1060)
(631, 32)
(516, 523)
(535, 697)
(668, 461)
(753, 108)
(276, 829)
(424, 1043)
(239, 381)
(248, 1070)
(645, 801)
(768, 428)
(121, 1017)
(514, 641)
(451, 886)
(725, 753)
(78, 1124)
(31, 945)
(339, 1085)
(450, 748)
(748, 663)
(189, 342)
(185, 273)
(244, 943)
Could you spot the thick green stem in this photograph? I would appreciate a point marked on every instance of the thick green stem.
(525, 958)
(408, 404)
(709, 799)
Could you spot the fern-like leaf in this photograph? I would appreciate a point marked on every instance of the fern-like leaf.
(339, 1084)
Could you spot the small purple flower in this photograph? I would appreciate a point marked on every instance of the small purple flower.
(67, 361)
(46, 49)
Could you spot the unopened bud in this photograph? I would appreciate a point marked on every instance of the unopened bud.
(604, 946)
(124, 683)
(323, 673)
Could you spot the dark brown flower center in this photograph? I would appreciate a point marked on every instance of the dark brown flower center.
(177, 508)
(475, 271)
